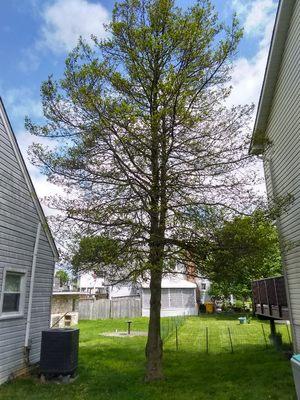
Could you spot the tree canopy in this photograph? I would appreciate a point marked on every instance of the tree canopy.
(244, 249)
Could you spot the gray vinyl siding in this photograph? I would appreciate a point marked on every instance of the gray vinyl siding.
(18, 227)
(282, 161)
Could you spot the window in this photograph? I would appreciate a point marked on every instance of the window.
(146, 298)
(165, 298)
(13, 293)
(73, 305)
(188, 298)
(175, 298)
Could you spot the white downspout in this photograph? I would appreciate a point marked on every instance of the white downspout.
(283, 256)
(33, 267)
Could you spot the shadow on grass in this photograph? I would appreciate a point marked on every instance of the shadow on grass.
(252, 375)
(113, 369)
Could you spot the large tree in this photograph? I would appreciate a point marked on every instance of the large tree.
(143, 135)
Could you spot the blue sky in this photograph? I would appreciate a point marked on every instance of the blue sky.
(36, 35)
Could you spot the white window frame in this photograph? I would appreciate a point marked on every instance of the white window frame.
(20, 313)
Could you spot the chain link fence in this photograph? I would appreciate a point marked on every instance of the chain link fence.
(209, 335)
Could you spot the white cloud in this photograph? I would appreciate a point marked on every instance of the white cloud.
(247, 77)
(258, 19)
(255, 14)
(20, 102)
(66, 20)
(63, 22)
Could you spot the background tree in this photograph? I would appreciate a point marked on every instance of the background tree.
(243, 249)
(143, 133)
(63, 277)
(221, 291)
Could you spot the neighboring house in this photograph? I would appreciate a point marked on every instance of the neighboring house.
(204, 286)
(70, 286)
(64, 309)
(277, 138)
(27, 257)
(124, 290)
(178, 294)
(178, 297)
(64, 304)
(91, 284)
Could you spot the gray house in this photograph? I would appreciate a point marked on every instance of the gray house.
(27, 257)
(277, 138)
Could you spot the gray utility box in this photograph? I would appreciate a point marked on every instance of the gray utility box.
(295, 360)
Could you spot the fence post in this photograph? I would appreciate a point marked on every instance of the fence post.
(200, 342)
(264, 334)
(110, 309)
(206, 335)
(91, 309)
(289, 335)
(230, 339)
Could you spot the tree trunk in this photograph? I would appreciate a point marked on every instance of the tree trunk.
(154, 348)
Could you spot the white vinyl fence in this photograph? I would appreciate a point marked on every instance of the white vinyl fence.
(104, 308)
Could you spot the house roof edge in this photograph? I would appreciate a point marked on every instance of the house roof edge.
(28, 180)
(279, 36)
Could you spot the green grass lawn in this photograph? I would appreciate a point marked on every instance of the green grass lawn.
(112, 368)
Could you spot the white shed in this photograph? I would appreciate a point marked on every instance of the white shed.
(178, 297)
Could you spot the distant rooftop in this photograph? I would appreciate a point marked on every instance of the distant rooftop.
(173, 283)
